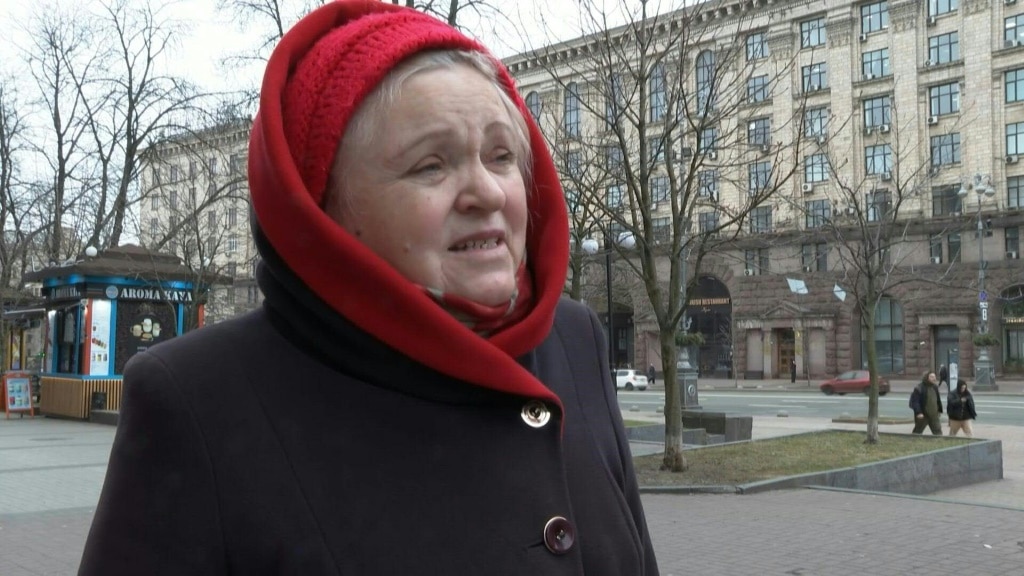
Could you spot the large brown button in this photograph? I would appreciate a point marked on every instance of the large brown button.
(559, 535)
(536, 414)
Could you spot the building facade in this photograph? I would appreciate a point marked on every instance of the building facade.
(902, 116)
(195, 204)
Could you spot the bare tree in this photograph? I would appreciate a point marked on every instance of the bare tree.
(673, 167)
(874, 218)
(60, 41)
(128, 103)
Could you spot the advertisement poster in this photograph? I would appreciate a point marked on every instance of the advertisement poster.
(17, 393)
(99, 343)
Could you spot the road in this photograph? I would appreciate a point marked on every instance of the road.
(992, 409)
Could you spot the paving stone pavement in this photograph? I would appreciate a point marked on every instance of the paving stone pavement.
(51, 472)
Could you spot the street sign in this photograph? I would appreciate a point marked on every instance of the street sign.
(982, 296)
(983, 305)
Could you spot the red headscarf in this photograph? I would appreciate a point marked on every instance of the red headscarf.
(316, 78)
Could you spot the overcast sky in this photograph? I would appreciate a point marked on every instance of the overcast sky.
(199, 56)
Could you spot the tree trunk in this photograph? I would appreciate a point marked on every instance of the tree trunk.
(674, 459)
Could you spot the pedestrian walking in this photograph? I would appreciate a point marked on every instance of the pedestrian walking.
(414, 396)
(944, 376)
(926, 403)
(960, 408)
(651, 374)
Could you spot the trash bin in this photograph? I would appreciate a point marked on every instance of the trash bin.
(99, 401)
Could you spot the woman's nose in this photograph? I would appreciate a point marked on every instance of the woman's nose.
(481, 189)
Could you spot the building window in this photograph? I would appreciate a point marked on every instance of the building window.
(211, 165)
(1014, 29)
(237, 164)
(761, 219)
(1012, 240)
(757, 46)
(935, 248)
(888, 337)
(662, 228)
(944, 99)
(172, 199)
(656, 150)
(877, 160)
(759, 132)
(1015, 192)
(759, 177)
(875, 64)
(939, 7)
(232, 216)
(945, 201)
(877, 111)
(757, 261)
(707, 141)
(707, 184)
(953, 246)
(175, 176)
(211, 219)
(707, 222)
(191, 169)
(229, 296)
(874, 17)
(658, 99)
(812, 33)
(615, 100)
(757, 89)
(815, 122)
(814, 257)
(879, 205)
(154, 202)
(232, 244)
(571, 117)
(533, 104)
(705, 82)
(815, 76)
(817, 213)
(659, 189)
(944, 48)
(1014, 81)
(613, 162)
(172, 246)
(1015, 138)
(156, 176)
(613, 196)
(815, 168)
(154, 225)
(945, 149)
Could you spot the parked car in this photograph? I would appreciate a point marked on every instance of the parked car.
(630, 380)
(853, 381)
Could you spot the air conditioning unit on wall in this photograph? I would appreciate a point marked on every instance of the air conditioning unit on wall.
(933, 120)
(748, 272)
(1012, 255)
(1012, 159)
(807, 188)
(808, 269)
(936, 259)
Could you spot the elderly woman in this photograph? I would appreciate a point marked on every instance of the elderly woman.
(414, 397)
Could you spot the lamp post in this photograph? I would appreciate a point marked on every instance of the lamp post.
(626, 241)
(984, 376)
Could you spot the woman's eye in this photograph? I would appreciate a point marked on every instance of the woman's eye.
(506, 157)
(427, 167)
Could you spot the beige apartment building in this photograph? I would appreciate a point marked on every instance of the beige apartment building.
(872, 105)
(195, 204)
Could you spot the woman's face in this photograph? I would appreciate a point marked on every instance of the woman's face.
(438, 193)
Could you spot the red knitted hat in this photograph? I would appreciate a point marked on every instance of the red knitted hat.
(340, 70)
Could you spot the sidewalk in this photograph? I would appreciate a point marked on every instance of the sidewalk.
(51, 472)
(1012, 386)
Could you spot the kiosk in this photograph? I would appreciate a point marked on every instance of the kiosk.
(104, 309)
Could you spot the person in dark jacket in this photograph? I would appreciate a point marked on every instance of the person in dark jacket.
(651, 374)
(414, 397)
(960, 409)
(943, 376)
(926, 402)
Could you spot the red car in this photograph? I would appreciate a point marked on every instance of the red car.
(853, 381)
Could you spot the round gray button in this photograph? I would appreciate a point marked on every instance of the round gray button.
(536, 414)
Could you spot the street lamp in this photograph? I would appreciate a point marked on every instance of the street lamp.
(627, 241)
(984, 377)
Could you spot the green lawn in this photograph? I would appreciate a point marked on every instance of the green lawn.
(745, 462)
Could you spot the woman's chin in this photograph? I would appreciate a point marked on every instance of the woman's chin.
(488, 293)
